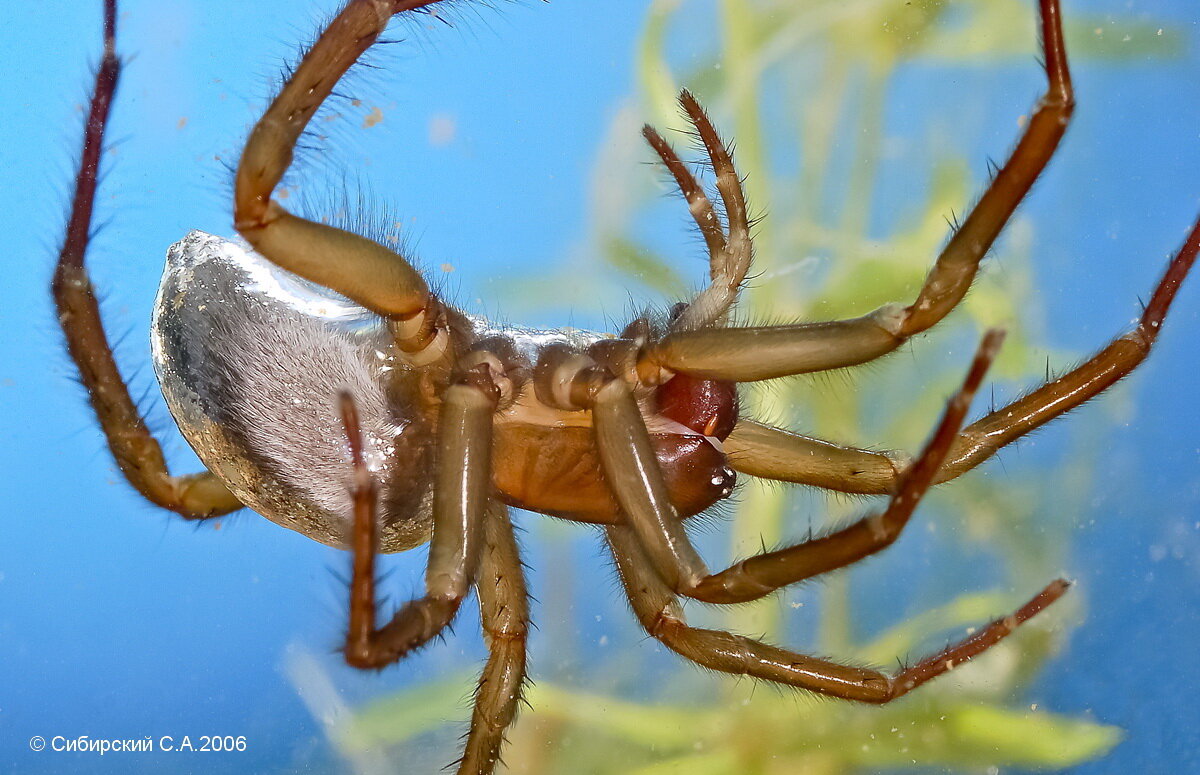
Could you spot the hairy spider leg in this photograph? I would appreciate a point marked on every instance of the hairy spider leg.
(470, 530)
(762, 574)
(369, 273)
(747, 354)
(504, 608)
(137, 452)
(729, 258)
(461, 496)
(778, 454)
(640, 489)
(659, 612)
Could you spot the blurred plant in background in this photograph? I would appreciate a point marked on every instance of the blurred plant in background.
(804, 89)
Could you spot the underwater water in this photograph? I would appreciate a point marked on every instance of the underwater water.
(506, 143)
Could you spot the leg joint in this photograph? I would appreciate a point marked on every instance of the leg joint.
(663, 625)
(566, 379)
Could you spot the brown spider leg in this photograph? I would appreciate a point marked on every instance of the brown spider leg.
(784, 456)
(637, 483)
(138, 454)
(729, 259)
(659, 611)
(764, 573)
(777, 454)
(355, 266)
(699, 205)
(462, 492)
(504, 609)
(756, 353)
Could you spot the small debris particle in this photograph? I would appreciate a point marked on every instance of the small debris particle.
(373, 118)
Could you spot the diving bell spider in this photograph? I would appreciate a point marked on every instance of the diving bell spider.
(358, 408)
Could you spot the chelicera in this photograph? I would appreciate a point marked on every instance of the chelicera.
(328, 388)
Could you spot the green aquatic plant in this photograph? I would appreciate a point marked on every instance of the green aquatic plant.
(804, 88)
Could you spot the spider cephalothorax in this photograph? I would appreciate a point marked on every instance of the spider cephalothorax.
(326, 386)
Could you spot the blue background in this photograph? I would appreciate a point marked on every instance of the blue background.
(117, 620)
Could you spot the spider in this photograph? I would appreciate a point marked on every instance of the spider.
(325, 386)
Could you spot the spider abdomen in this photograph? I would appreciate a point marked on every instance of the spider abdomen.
(250, 359)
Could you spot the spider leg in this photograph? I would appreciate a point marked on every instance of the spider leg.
(660, 614)
(504, 609)
(699, 205)
(729, 258)
(632, 471)
(756, 353)
(764, 573)
(784, 456)
(635, 479)
(138, 454)
(365, 271)
(778, 454)
(462, 492)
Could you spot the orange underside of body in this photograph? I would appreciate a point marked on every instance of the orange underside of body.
(557, 471)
